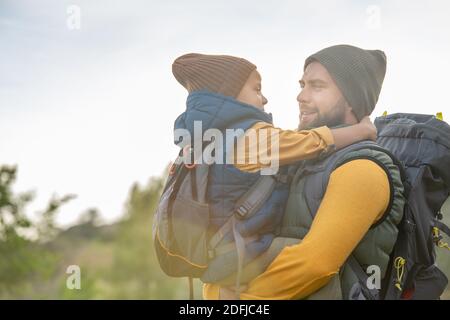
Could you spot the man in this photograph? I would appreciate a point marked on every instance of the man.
(357, 211)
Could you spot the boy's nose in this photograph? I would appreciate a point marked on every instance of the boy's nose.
(264, 101)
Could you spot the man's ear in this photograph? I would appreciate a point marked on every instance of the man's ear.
(348, 109)
(349, 114)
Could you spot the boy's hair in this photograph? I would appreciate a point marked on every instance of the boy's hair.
(216, 73)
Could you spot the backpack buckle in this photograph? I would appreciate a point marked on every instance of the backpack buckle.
(437, 238)
(436, 235)
(241, 211)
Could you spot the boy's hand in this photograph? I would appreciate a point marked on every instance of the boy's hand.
(369, 127)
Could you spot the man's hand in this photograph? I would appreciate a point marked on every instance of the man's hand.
(369, 127)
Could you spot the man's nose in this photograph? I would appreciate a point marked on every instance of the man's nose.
(302, 96)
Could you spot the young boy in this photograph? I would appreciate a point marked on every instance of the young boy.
(225, 93)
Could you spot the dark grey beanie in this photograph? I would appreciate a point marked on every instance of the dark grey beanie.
(358, 73)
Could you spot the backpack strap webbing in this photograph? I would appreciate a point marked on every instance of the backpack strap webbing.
(247, 205)
(370, 294)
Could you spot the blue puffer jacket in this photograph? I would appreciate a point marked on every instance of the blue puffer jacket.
(226, 183)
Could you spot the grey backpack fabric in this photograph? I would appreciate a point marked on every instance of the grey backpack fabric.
(422, 144)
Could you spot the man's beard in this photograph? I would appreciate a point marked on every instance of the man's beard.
(333, 118)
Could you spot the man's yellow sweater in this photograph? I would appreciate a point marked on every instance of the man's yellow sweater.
(356, 197)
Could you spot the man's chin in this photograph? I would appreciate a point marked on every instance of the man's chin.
(308, 122)
(307, 126)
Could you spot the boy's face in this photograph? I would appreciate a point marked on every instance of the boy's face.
(251, 91)
(320, 100)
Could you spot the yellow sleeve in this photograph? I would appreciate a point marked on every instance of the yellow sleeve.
(357, 195)
(255, 152)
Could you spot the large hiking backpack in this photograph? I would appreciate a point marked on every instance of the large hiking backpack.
(183, 241)
(420, 146)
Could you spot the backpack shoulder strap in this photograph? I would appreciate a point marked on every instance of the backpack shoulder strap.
(247, 205)
(369, 294)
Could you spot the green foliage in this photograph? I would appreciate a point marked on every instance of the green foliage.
(23, 261)
(12, 217)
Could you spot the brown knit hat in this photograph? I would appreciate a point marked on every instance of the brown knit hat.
(217, 73)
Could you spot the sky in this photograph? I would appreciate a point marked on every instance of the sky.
(88, 100)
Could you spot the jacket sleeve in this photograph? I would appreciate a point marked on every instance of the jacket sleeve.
(258, 147)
